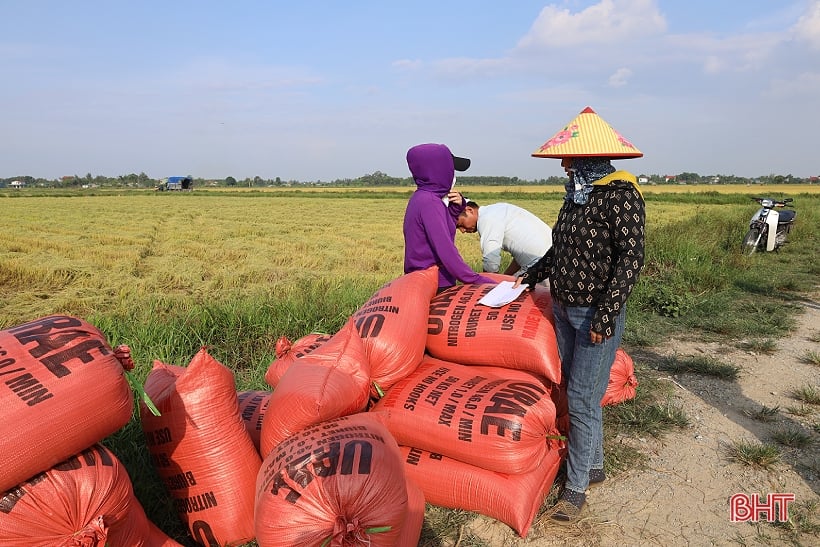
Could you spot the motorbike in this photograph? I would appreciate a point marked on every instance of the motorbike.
(769, 226)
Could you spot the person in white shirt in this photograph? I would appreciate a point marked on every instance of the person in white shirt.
(506, 227)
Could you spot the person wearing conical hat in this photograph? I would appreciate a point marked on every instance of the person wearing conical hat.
(596, 256)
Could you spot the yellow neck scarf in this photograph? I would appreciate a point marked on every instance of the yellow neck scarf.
(619, 175)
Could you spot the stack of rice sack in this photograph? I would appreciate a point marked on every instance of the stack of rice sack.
(303, 464)
(471, 394)
(332, 471)
(62, 391)
(480, 419)
(418, 397)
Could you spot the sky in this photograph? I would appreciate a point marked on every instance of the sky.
(324, 90)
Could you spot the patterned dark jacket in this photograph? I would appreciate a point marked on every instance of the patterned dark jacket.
(597, 252)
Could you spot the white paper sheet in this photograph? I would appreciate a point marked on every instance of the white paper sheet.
(502, 294)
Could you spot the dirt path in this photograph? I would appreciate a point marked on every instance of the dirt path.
(681, 495)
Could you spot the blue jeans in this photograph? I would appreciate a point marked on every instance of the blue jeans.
(585, 368)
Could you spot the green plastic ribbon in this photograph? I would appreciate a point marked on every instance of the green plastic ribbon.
(137, 387)
(374, 530)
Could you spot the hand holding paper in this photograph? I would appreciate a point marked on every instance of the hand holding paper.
(502, 294)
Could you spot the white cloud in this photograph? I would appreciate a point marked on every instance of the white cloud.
(408, 64)
(609, 21)
(716, 55)
(620, 77)
(807, 27)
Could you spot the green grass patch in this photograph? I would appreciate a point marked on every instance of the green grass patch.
(766, 346)
(703, 365)
(651, 412)
(801, 410)
(804, 520)
(792, 437)
(807, 394)
(619, 457)
(763, 414)
(811, 357)
(653, 419)
(755, 454)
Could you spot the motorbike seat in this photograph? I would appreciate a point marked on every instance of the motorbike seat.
(786, 216)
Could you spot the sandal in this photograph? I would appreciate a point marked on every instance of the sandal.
(596, 476)
(568, 507)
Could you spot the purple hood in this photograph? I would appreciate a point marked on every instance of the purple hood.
(429, 227)
(432, 168)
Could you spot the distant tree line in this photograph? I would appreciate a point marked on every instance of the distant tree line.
(376, 178)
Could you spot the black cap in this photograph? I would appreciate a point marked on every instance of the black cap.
(460, 164)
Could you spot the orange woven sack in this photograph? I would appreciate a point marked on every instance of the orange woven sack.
(288, 352)
(61, 390)
(512, 499)
(557, 392)
(331, 382)
(252, 408)
(519, 335)
(392, 325)
(468, 414)
(84, 501)
(338, 483)
(509, 373)
(201, 449)
(622, 380)
(414, 521)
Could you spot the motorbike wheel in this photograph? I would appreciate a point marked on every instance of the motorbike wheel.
(751, 241)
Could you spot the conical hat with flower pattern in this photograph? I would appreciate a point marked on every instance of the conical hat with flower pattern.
(588, 135)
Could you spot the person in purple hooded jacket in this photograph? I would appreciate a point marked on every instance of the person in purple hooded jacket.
(430, 224)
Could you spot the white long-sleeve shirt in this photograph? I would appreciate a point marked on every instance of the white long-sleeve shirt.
(507, 227)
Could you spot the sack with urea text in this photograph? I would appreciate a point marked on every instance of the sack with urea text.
(470, 415)
(557, 392)
(519, 335)
(332, 381)
(339, 482)
(392, 325)
(201, 450)
(62, 389)
(86, 500)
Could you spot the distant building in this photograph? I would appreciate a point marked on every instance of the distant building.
(185, 184)
(17, 184)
